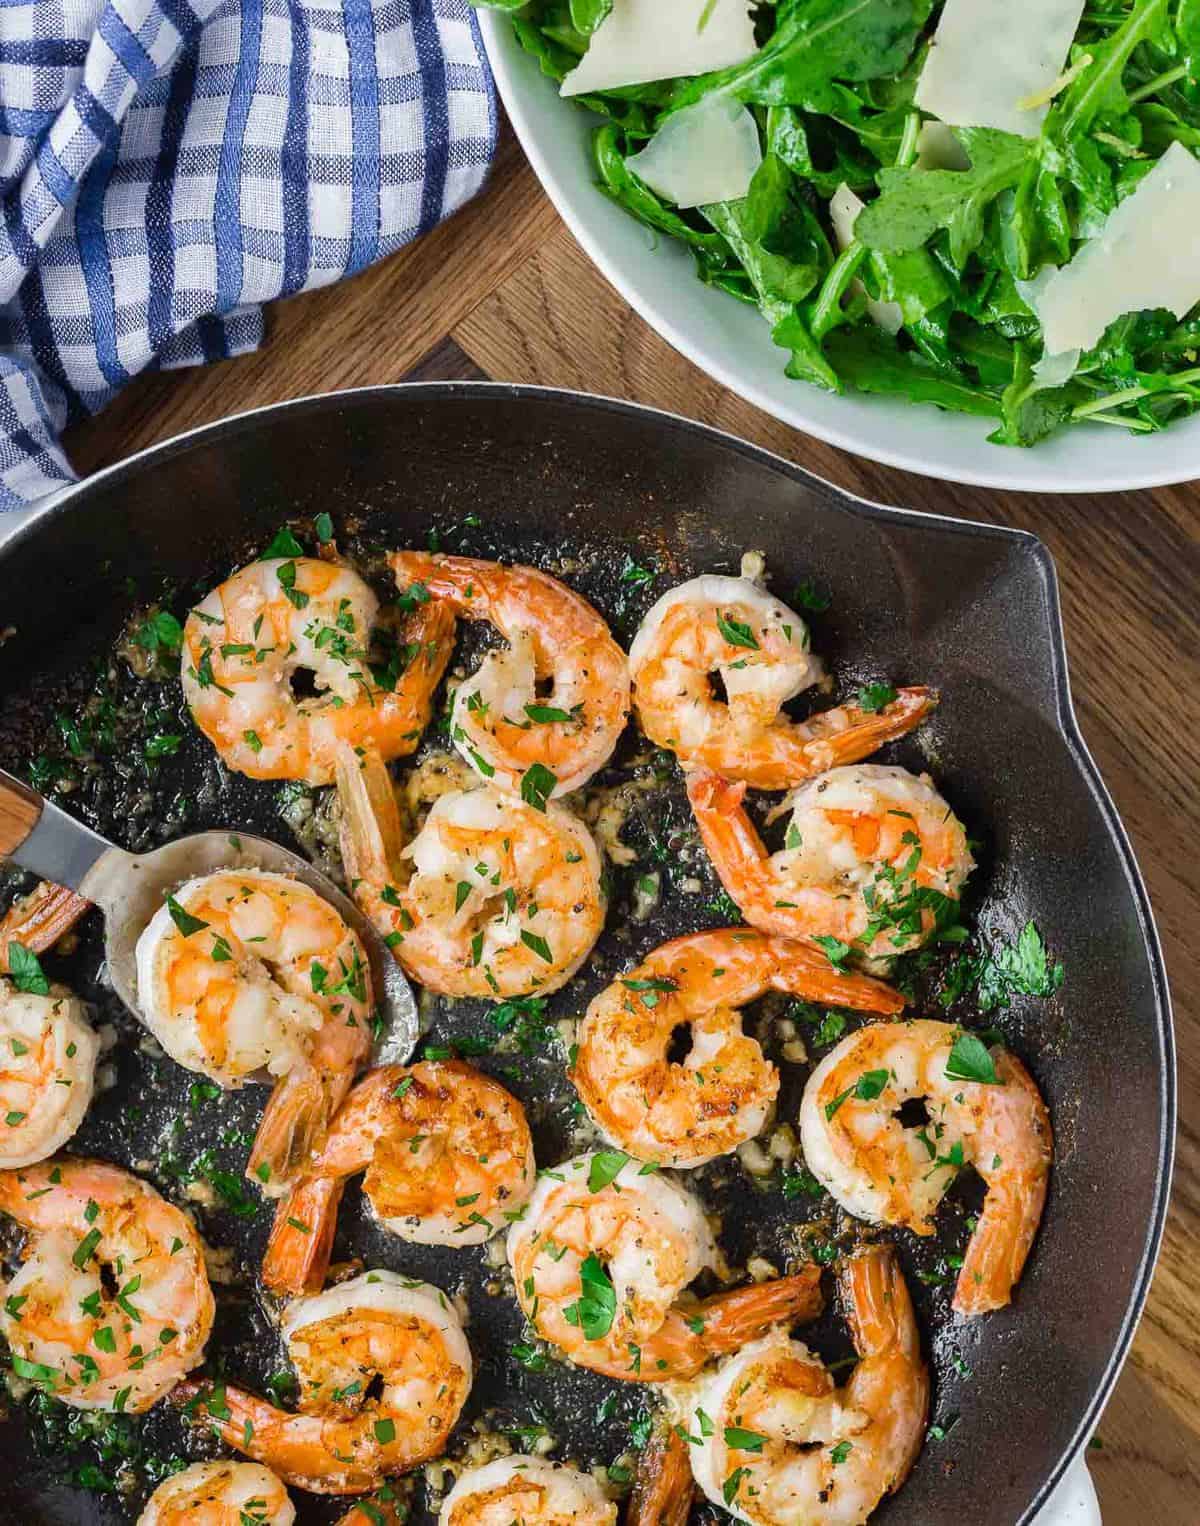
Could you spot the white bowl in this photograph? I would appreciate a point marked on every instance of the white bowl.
(730, 341)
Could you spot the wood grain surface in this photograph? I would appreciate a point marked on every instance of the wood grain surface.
(503, 291)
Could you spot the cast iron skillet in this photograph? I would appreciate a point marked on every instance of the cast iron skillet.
(532, 475)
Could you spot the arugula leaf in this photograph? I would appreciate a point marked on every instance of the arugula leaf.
(586, 15)
(1100, 87)
(914, 204)
(619, 182)
(1030, 411)
(775, 234)
(816, 43)
(871, 362)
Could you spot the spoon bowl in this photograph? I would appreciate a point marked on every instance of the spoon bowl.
(130, 888)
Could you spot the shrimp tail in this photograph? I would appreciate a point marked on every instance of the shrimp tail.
(884, 1329)
(728, 834)
(294, 1124)
(291, 1445)
(372, 835)
(733, 1319)
(848, 733)
(878, 1306)
(37, 921)
(808, 973)
(443, 577)
(1012, 1210)
(301, 1243)
(663, 1485)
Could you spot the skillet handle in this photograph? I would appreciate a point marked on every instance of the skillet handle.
(20, 812)
(40, 837)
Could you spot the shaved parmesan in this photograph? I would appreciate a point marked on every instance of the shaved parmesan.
(640, 41)
(844, 207)
(992, 59)
(707, 152)
(1147, 255)
(939, 149)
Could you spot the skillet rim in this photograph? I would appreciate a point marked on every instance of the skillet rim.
(40, 518)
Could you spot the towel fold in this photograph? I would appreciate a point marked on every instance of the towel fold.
(167, 167)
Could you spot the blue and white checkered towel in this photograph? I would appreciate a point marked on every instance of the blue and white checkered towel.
(167, 166)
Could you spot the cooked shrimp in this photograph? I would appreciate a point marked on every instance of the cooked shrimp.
(601, 1258)
(111, 1305)
(873, 856)
(684, 1113)
(448, 1157)
(377, 1327)
(506, 720)
(530, 1490)
(886, 1173)
(492, 897)
(245, 974)
(759, 648)
(776, 1443)
(47, 1067)
(219, 1494)
(246, 641)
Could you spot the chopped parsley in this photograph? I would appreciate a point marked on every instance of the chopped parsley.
(875, 697)
(537, 785)
(26, 970)
(736, 632)
(597, 1304)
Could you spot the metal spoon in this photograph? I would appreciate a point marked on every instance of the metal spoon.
(130, 888)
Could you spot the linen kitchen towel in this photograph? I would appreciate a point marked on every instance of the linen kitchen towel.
(167, 166)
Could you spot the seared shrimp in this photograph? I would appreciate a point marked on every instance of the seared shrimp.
(379, 1326)
(685, 1113)
(531, 1490)
(47, 1066)
(448, 1157)
(760, 649)
(245, 642)
(776, 1443)
(111, 1305)
(600, 1261)
(219, 1494)
(886, 1173)
(872, 857)
(244, 974)
(556, 698)
(492, 897)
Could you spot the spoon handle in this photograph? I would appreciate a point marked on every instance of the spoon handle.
(20, 811)
(40, 837)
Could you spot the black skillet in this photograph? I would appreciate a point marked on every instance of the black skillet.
(535, 475)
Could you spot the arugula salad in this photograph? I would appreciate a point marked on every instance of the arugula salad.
(992, 206)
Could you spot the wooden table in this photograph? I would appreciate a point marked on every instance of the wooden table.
(503, 291)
